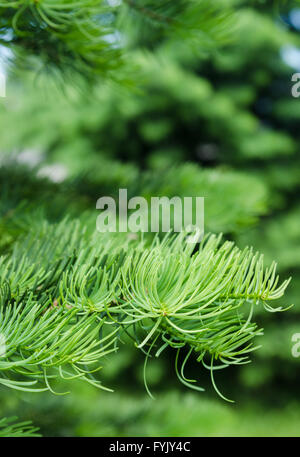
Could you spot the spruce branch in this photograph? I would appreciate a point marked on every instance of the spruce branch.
(44, 342)
(66, 34)
(202, 301)
(86, 36)
(67, 296)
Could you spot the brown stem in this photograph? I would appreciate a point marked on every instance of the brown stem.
(147, 12)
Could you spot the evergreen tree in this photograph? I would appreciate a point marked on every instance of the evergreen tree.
(69, 296)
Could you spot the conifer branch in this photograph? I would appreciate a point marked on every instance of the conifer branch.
(76, 34)
(60, 289)
(11, 429)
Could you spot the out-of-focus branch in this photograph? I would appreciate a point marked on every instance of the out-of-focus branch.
(148, 12)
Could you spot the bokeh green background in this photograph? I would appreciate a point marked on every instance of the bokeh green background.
(221, 124)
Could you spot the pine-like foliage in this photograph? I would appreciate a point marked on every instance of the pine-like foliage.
(70, 297)
(87, 35)
(67, 296)
(10, 428)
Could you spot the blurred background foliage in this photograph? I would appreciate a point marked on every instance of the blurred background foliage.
(218, 122)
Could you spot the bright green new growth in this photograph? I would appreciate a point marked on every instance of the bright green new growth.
(87, 35)
(68, 295)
